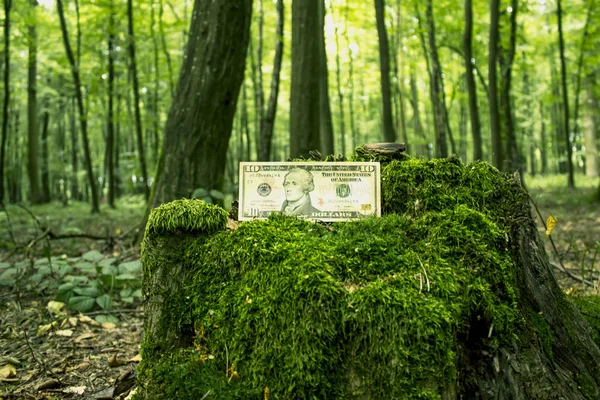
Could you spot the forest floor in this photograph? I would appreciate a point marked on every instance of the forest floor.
(71, 313)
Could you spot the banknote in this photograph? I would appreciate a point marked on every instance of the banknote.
(324, 191)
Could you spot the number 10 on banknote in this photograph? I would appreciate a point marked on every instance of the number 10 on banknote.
(324, 191)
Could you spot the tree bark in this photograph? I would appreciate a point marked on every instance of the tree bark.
(266, 132)
(165, 50)
(326, 124)
(529, 125)
(82, 114)
(389, 132)
(470, 80)
(439, 108)
(497, 151)
(589, 134)
(199, 123)
(512, 161)
(565, 96)
(305, 115)
(7, 7)
(32, 120)
(110, 143)
(543, 144)
(46, 196)
(338, 81)
(136, 100)
(75, 194)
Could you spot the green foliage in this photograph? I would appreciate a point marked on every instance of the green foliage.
(374, 307)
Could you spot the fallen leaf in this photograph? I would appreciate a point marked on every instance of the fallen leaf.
(115, 362)
(72, 321)
(82, 366)
(8, 371)
(85, 319)
(48, 384)
(45, 328)
(65, 332)
(137, 358)
(109, 325)
(75, 390)
(550, 224)
(83, 336)
(55, 307)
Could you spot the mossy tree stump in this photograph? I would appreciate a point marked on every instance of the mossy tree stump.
(449, 295)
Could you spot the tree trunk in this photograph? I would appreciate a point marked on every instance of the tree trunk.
(417, 124)
(350, 84)
(136, 100)
(165, 50)
(338, 80)
(199, 123)
(46, 196)
(266, 132)
(75, 194)
(470, 80)
(82, 115)
(326, 124)
(543, 143)
(529, 123)
(155, 93)
(582, 51)
(110, 143)
(305, 116)
(389, 133)
(565, 96)
(497, 152)
(512, 161)
(437, 89)
(7, 7)
(32, 123)
(589, 132)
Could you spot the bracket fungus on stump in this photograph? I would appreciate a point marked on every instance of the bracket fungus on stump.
(449, 295)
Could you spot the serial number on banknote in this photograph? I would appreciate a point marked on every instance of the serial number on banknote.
(325, 191)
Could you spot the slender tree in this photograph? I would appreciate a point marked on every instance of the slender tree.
(589, 132)
(266, 131)
(110, 142)
(338, 81)
(5, 114)
(82, 114)
(305, 108)
(136, 100)
(389, 133)
(200, 119)
(497, 153)
(440, 116)
(32, 120)
(45, 158)
(507, 56)
(163, 41)
(470, 81)
(565, 95)
(326, 121)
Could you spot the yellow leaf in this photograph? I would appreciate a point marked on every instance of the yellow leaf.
(550, 224)
(118, 231)
(109, 325)
(65, 332)
(8, 371)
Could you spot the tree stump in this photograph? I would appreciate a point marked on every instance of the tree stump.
(449, 295)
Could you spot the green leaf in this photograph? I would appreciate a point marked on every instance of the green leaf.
(131, 266)
(127, 299)
(64, 296)
(125, 292)
(107, 262)
(199, 193)
(102, 318)
(127, 277)
(105, 301)
(108, 280)
(137, 293)
(81, 303)
(87, 291)
(8, 277)
(215, 194)
(86, 266)
(93, 255)
(66, 287)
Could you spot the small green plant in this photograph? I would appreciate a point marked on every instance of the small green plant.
(83, 283)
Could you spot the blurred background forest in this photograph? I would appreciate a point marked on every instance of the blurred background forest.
(394, 70)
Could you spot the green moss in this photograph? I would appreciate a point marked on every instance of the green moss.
(589, 306)
(186, 215)
(374, 308)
